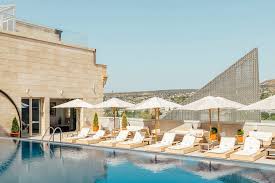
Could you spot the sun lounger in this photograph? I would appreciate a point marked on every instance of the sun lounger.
(122, 136)
(226, 147)
(99, 136)
(83, 134)
(250, 152)
(187, 145)
(167, 140)
(264, 137)
(137, 141)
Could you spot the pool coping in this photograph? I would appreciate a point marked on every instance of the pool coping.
(165, 154)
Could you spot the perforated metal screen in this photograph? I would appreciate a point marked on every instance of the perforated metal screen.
(240, 83)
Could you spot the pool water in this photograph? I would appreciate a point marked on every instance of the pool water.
(33, 162)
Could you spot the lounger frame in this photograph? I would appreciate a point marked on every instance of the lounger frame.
(221, 155)
(260, 153)
(183, 150)
(131, 146)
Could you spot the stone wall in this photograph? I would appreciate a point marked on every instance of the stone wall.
(38, 68)
(38, 32)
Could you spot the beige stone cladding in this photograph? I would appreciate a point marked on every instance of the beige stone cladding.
(37, 31)
(37, 68)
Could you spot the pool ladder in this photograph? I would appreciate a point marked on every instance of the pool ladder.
(52, 135)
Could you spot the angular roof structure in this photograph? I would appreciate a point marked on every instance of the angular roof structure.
(240, 83)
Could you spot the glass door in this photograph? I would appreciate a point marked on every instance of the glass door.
(31, 110)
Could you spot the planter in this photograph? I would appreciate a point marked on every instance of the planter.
(14, 134)
(240, 138)
(213, 137)
(95, 128)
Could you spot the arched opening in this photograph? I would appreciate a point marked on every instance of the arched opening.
(14, 104)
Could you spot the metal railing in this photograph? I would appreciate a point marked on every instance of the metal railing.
(60, 134)
(53, 133)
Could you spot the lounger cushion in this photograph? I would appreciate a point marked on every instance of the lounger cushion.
(138, 138)
(227, 143)
(168, 138)
(264, 136)
(122, 135)
(83, 133)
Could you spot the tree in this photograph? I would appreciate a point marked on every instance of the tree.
(95, 122)
(15, 126)
(124, 122)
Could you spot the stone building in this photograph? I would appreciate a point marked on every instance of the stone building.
(38, 71)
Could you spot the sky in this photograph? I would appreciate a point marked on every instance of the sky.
(160, 44)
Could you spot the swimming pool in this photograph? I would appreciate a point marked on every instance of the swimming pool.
(34, 162)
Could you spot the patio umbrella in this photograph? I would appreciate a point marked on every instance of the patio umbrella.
(76, 103)
(156, 103)
(114, 104)
(209, 103)
(267, 104)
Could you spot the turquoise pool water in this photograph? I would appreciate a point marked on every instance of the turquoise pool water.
(32, 162)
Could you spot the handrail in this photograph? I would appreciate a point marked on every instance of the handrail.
(61, 134)
(46, 132)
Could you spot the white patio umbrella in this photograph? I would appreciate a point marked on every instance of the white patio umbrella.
(76, 103)
(114, 104)
(267, 104)
(209, 103)
(156, 103)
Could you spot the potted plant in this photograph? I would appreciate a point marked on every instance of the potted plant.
(213, 133)
(14, 128)
(239, 136)
(124, 121)
(95, 123)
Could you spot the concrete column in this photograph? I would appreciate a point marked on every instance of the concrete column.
(45, 116)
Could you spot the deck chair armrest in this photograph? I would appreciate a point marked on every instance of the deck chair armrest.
(175, 142)
(236, 147)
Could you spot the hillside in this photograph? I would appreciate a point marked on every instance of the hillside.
(267, 88)
(177, 96)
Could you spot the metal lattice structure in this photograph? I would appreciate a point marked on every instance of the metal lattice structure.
(240, 83)
(7, 18)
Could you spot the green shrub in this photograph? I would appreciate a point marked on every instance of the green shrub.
(240, 132)
(264, 115)
(95, 122)
(124, 122)
(214, 130)
(15, 126)
(272, 116)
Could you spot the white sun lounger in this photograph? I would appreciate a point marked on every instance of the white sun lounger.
(99, 136)
(226, 147)
(167, 140)
(264, 137)
(122, 136)
(250, 152)
(137, 141)
(83, 134)
(187, 145)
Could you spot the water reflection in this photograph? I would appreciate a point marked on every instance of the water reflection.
(35, 162)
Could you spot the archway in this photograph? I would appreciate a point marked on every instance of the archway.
(14, 104)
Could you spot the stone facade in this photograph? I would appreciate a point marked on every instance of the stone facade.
(41, 66)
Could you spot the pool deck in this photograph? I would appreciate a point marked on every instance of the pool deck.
(196, 154)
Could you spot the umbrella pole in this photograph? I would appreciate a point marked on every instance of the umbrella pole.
(210, 125)
(114, 110)
(156, 136)
(219, 125)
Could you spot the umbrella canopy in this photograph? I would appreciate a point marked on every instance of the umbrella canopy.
(211, 102)
(114, 103)
(77, 103)
(267, 104)
(155, 103)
